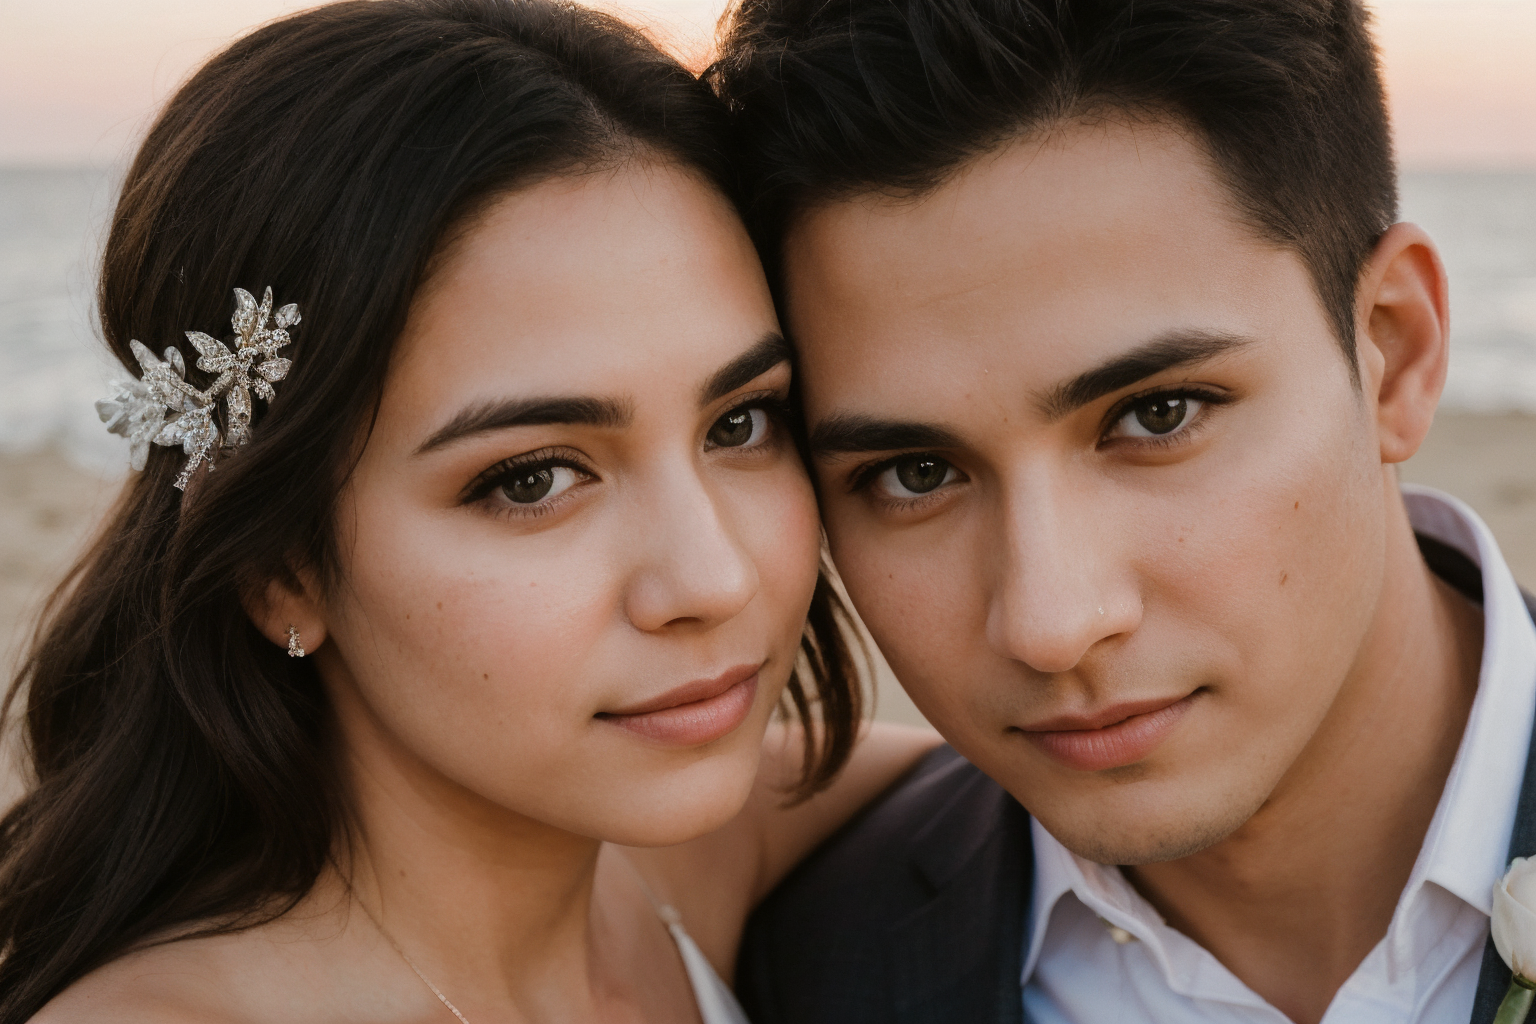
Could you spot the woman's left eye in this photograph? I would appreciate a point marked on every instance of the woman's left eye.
(739, 428)
(1157, 416)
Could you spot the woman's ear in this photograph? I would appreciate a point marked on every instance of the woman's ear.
(1403, 337)
(287, 614)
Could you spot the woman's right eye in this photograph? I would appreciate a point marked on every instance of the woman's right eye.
(530, 485)
(912, 476)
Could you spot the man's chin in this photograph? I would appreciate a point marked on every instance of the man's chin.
(1144, 841)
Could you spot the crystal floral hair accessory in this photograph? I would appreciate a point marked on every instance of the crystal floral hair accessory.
(137, 409)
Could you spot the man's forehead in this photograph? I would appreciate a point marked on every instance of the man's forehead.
(1044, 260)
(1133, 179)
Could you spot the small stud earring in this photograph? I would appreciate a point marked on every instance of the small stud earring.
(295, 649)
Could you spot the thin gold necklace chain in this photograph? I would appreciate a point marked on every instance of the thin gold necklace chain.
(668, 916)
(408, 961)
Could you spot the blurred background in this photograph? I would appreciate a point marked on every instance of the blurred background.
(80, 81)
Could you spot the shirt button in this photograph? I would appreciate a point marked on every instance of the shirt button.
(1120, 935)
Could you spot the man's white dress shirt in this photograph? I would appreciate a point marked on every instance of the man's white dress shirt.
(1097, 953)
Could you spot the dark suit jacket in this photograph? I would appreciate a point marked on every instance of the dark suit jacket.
(915, 912)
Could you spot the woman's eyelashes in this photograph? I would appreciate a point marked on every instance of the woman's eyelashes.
(536, 482)
(751, 424)
(530, 484)
(739, 428)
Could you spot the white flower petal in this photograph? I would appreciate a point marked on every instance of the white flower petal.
(275, 369)
(240, 401)
(170, 435)
(1514, 922)
(245, 311)
(207, 346)
(146, 358)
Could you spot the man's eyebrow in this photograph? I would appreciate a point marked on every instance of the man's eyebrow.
(1165, 353)
(770, 351)
(529, 412)
(857, 434)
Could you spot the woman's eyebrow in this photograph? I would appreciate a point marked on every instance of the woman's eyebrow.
(770, 351)
(530, 412)
(767, 353)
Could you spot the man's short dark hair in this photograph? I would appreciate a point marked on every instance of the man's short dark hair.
(840, 98)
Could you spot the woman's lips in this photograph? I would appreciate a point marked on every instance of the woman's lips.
(694, 713)
(1113, 738)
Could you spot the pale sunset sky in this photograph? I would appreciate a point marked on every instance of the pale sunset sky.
(80, 79)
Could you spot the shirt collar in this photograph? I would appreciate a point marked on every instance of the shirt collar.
(1058, 871)
(1467, 843)
(1465, 847)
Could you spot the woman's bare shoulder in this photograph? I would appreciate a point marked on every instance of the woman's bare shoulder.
(172, 983)
(300, 968)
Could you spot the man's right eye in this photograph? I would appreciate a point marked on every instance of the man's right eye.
(914, 475)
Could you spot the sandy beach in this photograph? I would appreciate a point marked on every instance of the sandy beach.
(48, 509)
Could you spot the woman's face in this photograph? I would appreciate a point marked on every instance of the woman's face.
(579, 546)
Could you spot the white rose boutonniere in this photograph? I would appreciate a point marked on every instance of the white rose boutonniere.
(1514, 936)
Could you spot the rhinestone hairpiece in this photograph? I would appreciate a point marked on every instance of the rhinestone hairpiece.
(137, 408)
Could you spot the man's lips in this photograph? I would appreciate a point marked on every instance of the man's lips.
(694, 713)
(1112, 737)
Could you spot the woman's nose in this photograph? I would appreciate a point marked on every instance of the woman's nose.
(690, 567)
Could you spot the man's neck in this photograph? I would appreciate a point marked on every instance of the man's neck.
(1295, 899)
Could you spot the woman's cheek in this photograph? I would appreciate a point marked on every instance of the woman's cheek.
(531, 626)
(789, 539)
(458, 616)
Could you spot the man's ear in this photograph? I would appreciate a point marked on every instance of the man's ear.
(1403, 337)
(285, 604)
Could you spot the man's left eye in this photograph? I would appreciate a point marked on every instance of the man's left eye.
(739, 428)
(1157, 416)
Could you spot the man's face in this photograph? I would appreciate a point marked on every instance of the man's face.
(1096, 477)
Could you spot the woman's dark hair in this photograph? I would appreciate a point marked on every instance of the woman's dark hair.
(837, 98)
(182, 773)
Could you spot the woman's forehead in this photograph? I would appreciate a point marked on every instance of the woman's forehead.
(621, 281)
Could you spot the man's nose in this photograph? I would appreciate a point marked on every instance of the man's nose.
(690, 567)
(1062, 583)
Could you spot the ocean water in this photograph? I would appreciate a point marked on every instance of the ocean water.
(52, 227)
(1485, 226)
